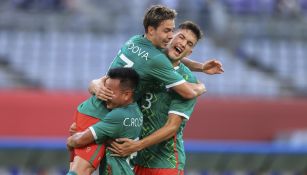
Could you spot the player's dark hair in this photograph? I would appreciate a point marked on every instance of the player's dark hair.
(157, 14)
(128, 77)
(193, 27)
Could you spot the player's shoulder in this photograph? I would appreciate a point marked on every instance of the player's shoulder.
(131, 109)
(160, 59)
(184, 68)
(136, 38)
(115, 115)
(187, 73)
(124, 110)
(140, 41)
(135, 109)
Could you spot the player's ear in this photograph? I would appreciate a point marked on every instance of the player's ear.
(127, 95)
(151, 30)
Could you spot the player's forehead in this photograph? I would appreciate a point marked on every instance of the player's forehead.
(112, 83)
(187, 34)
(167, 24)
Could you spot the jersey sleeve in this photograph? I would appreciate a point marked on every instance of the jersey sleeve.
(182, 107)
(109, 127)
(162, 69)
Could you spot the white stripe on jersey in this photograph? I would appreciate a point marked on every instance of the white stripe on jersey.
(180, 114)
(175, 84)
(93, 132)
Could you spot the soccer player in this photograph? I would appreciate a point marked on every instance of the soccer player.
(124, 120)
(161, 150)
(144, 54)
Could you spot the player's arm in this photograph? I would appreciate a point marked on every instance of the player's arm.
(99, 132)
(162, 69)
(209, 67)
(80, 139)
(190, 90)
(97, 88)
(124, 146)
(73, 128)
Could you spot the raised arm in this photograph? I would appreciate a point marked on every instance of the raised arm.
(209, 67)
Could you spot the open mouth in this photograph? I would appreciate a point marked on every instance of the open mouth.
(178, 50)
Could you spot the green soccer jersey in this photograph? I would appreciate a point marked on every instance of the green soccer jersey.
(149, 62)
(123, 122)
(93, 107)
(155, 107)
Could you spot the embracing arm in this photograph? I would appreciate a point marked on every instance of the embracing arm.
(129, 146)
(189, 90)
(80, 139)
(167, 131)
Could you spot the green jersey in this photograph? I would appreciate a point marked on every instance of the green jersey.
(93, 107)
(123, 122)
(149, 62)
(155, 107)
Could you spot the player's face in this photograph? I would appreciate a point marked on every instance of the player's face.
(120, 96)
(181, 45)
(162, 35)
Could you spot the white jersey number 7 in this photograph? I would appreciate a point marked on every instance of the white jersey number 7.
(128, 62)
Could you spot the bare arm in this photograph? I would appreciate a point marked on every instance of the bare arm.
(188, 90)
(199, 88)
(73, 128)
(80, 139)
(192, 65)
(130, 146)
(209, 67)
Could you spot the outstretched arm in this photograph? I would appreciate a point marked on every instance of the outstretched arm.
(209, 67)
(127, 146)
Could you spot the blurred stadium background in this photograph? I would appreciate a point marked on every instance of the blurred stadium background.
(252, 120)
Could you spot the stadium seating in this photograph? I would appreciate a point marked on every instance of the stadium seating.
(68, 60)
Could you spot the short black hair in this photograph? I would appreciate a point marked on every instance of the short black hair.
(193, 27)
(157, 14)
(129, 78)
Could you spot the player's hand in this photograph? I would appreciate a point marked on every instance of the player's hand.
(68, 146)
(101, 91)
(73, 128)
(123, 147)
(213, 67)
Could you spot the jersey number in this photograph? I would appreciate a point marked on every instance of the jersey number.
(128, 62)
(148, 98)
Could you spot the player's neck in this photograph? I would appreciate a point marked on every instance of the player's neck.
(128, 102)
(149, 38)
(175, 63)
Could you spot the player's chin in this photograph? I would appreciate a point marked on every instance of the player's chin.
(175, 56)
(164, 44)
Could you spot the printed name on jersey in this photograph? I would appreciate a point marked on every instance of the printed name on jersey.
(137, 50)
(134, 122)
